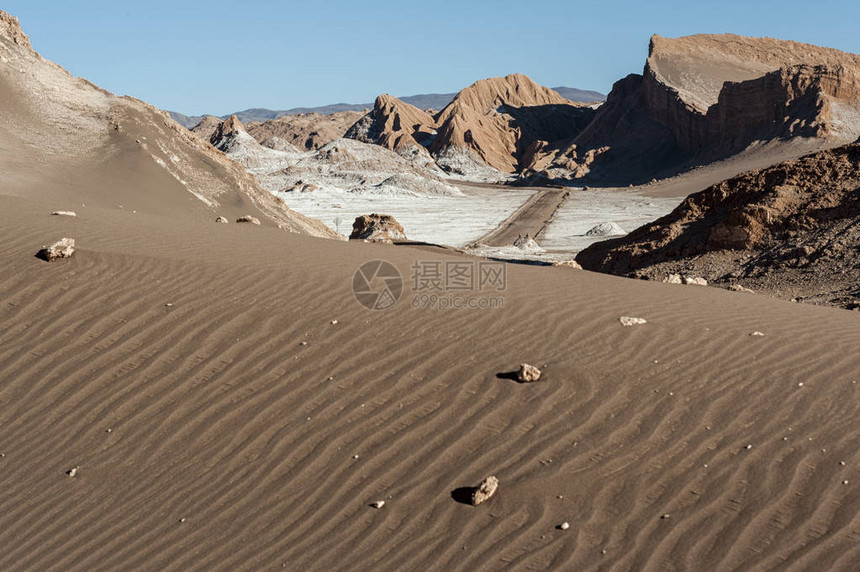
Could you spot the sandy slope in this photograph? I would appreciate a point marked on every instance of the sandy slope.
(218, 415)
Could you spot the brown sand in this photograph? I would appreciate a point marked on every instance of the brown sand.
(164, 362)
(218, 416)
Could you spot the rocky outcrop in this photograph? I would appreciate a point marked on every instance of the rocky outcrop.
(377, 228)
(794, 227)
(496, 126)
(305, 132)
(207, 127)
(11, 28)
(226, 133)
(395, 125)
(706, 97)
(500, 120)
(725, 90)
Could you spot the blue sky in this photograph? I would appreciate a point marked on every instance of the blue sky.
(218, 56)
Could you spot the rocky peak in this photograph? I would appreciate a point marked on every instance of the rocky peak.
(499, 120)
(515, 90)
(11, 28)
(395, 125)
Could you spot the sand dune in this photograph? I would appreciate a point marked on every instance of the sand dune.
(218, 416)
(59, 133)
(185, 395)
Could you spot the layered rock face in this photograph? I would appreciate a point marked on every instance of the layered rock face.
(508, 124)
(108, 150)
(726, 90)
(500, 119)
(306, 132)
(793, 227)
(706, 97)
(395, 125)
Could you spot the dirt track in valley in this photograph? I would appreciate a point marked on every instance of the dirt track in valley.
(530, 219)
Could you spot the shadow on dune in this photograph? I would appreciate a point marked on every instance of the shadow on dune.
(511, 375)
(463, 495)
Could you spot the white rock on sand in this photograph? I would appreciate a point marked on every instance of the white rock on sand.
(628, 321)
(64, 213)
(63, 248)
(485, 490)
(528, 373)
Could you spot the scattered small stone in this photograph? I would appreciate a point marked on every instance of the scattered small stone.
(628, 321)
(73, 471)
(564, 525)
(603, 552)
(303, 344)
(739, 288)
(108, 430)
(485, 490)
(222, 220)
(845, 482)
(665, 516)
(756, 333)
(672, 279)
(168, 305)
(63, 248)
(355, 456)
(250, 219)
(334, 322)
(378, 504)
(181, 520)
(528, 373)
(748, 447)
(64, 213)
(800, 384)
(842, 463)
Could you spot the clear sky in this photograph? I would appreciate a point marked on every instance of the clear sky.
(220, 56)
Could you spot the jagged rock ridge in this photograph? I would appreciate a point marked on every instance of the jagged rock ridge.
(793, 228)
(504, 125)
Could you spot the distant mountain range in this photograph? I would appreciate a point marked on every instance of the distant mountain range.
(435, 101)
